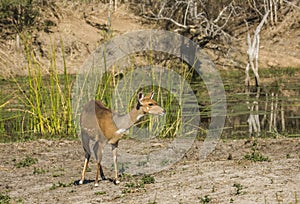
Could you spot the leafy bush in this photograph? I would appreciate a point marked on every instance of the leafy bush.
(16, 15)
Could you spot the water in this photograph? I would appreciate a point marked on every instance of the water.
(260, 112)
(273, 109)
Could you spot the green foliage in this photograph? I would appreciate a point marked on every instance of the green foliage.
(4, 199)
(100, 193)
(49, 101)
(255, 156)
(38, 171)
(18, 14)
(132, 187)
(137, 185)
(238, 188)
(278, 72)
(42, 103)
(43, 106)
(28, 161)
(205, 199)
(148, 179)
(60, 184)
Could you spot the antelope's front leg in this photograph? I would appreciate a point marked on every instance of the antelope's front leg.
(114, 151)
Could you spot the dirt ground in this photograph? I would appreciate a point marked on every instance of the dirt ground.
(225, 176)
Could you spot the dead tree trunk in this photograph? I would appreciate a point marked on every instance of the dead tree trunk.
(253, 48)
(271, 112)
(110, 8)
(253, 119)
(282, 118)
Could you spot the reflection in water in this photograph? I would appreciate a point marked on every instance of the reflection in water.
(253, 120)
(259, 112)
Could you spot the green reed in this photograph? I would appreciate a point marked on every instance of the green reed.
(42, 103)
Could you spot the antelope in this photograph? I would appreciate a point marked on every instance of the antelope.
(100, 125)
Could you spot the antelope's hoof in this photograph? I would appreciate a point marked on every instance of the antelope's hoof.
(116, 181)
(96, 184)
(80, 182)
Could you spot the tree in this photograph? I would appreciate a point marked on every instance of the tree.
(201, 21)
(253, 49)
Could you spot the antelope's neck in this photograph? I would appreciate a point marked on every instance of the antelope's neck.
(127, 120)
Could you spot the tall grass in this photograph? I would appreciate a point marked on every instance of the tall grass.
(42, 103)
(49, 97)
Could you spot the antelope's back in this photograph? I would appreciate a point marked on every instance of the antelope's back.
(89, 118)
(96, 121)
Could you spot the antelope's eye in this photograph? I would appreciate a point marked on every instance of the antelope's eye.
(150, 104)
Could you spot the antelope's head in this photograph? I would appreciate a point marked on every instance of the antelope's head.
(148, 105)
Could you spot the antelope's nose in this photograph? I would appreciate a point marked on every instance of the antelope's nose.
(163, 112)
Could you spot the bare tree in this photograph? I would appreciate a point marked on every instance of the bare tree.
(253, 49)
(272, 6)
(190, 17)
(253, 119)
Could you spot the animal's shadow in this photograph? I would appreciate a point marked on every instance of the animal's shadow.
(76, 183)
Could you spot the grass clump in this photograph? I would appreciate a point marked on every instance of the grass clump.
(100, 193)
(205, 199)
(255, 155)
(60, 184)
(37, 171)
(133, 187)
(148, 179)
(28, 161)
(238, 188)
(138, 185)
(4, 199)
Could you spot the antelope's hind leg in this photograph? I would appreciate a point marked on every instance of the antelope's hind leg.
(115, 152)
(99, 167)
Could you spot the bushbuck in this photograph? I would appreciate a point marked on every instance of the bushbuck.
(100, 125)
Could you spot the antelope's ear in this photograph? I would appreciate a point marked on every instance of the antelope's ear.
(140, 96)
(150, 95)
